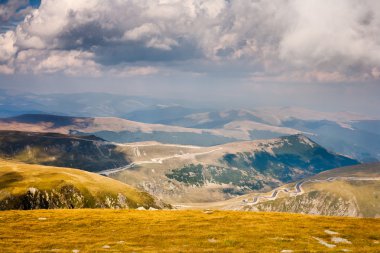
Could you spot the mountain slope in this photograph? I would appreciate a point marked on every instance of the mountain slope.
(25, 186)
(194, 174)
(84, 152)
(121, 130)
(347, 191)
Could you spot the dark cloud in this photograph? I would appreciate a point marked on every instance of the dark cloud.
(135, 51)
(110, 49)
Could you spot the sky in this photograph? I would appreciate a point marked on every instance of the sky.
(322, 55)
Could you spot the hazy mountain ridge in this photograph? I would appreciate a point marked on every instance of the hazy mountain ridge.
(89, 104)
(352, 134)
(348, 133)
(121, 130)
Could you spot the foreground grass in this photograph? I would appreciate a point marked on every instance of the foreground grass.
(179, 231)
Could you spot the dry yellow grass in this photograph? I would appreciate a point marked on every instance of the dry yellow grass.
(179, 231)
(17, 177)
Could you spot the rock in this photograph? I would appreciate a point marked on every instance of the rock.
(66, 197)
(32, 190)
(331, 232)
(321, 241)
(340, 240)
(212, 240)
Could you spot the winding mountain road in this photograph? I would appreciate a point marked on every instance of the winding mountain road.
(156, 160)
(298, 187)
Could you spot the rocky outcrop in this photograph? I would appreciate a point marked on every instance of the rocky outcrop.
(67, 197)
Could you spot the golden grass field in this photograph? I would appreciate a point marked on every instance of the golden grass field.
(95, 230)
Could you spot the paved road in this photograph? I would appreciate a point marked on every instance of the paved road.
(156, 160)
(298, 187)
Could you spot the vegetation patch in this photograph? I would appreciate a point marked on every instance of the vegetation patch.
(199, 175)
(190, 174)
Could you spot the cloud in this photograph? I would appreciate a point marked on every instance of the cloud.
(305, 40)
(340, 33)
(14, 11)
(74, 63)
(133, 71)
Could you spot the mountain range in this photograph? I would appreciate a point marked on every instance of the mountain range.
(179, 173)
(352, 135)
(265, 159)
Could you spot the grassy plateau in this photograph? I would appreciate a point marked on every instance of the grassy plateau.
(100, 230)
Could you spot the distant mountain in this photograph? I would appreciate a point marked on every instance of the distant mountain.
(351, 134)
(120, 130)
(77, 104)
(347, 191)
(160, 114)
(83, 152)
(25, 186)
(194, 174)
(351, 140)
(275, 116)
